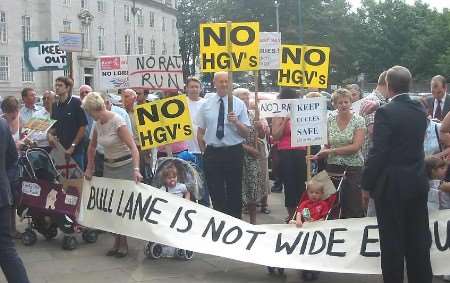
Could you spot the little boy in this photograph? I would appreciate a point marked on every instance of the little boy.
(313, 208)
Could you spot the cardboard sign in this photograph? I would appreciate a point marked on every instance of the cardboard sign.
(304, 66)
(156, 72)
(269, 50)
(163, 122)
(36, 129)
(244, 39)
(113, 72)
(71, 41)
(343, 246)
(309, 122)
(44, 56)
(275, 108)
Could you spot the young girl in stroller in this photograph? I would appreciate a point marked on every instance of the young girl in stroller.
(171, 184)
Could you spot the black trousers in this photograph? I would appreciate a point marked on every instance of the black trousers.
(404, 236)
(11, 264)
(223, 172)
(293, 175)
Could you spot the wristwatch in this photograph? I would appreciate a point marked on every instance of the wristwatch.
(74, 145)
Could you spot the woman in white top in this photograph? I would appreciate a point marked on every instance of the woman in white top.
(121, 153)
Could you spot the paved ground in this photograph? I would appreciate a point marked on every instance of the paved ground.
(47, 262)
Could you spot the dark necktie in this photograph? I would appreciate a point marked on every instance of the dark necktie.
(220, 120)
(438, 112)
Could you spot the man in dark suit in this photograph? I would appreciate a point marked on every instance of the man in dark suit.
(395, 177)
(439, 103)
(10, 262)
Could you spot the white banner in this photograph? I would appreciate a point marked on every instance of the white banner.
(113, 72)
(343, 246)
(309, 122)
(156, 72)
(269, 50)
(275, 108)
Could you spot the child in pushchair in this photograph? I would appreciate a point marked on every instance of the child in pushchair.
(46, 204)
(178, 177)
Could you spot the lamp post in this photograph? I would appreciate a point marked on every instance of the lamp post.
(276, 4)
(300, 22)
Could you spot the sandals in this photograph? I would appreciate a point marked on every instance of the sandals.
(265, 210)
(120, 254)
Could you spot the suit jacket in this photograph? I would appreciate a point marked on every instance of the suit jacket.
(8, 158)
(395, 165)
(430, 103)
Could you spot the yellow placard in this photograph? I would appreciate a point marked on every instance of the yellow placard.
(304, 66)
(163, 122)
(244, 47)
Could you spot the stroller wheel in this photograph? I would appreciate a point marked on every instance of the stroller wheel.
(281, 271)
(51, 233)
(89, 236)
(69, 243)
(29, 237)
(188, 255)
(153, 250)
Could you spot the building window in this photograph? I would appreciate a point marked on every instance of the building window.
(101, 39)
(140, 45)
(151, 19)
(89, 76)
(164, 49)
(174, 26)
(67, 2)
(84, 4)
(26, 28)
(127, 44)
(152, 47)
(66, 25)
(66, 72)
(163, 24)
(4, 68)
(85, 30)
(3, 28)
(26, 75)
(126, 13)
(140, 17)
(101, 6)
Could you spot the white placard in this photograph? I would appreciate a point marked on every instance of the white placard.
(31, 189)
(309, 122)
(269, 50)
(342, 246)
(71, 41)
(113, 72)
(275, 108)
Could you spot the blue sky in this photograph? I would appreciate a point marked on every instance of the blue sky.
(439, 4)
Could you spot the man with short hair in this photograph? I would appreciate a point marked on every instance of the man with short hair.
(70, 121)
(439, 103)
(141, 95)
(29, 108)
(10, 262)
(220, 137)
(84, 90)
(395, 177)
(48, 99)
(193, 89)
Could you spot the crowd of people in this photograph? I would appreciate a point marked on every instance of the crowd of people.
(233, 148)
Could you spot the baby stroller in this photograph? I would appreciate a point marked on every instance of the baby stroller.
(188, 175)
(332, 191)
(45, 203)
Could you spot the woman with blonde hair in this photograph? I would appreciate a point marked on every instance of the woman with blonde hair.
(121, 153)
(346, 132)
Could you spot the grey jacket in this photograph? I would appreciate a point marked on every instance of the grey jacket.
(8, 158)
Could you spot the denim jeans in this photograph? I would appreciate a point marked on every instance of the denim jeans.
(12, 266)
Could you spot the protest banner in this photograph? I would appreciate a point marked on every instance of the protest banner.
(113, 72)
(44, 56)
(269, 50)
(309, 122)
(71, 41)
(304, 66)
(342, 246)
(242, 52)
(275, 108)
(156, 72)
(163, 122)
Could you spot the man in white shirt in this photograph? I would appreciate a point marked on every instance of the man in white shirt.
(220, 137)
(193, 89)
(29, 100)
(45, 113)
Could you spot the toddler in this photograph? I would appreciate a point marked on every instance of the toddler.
(314, 207)
(171, 185)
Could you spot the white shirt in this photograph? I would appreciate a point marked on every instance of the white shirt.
(194, 108)
(208, 116)
(27, 113)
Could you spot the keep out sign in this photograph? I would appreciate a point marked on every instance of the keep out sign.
(244, 43)
(163, 122)
(304, 66)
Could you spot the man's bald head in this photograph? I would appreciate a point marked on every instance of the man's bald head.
(128, 99)
(398, 80)
(84, 90)
(221, 83)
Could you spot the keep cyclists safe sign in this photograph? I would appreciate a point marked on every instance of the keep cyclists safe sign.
(244, 47)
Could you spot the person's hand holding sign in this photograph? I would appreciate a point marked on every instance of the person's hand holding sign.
(137, 175)
(232, 118)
